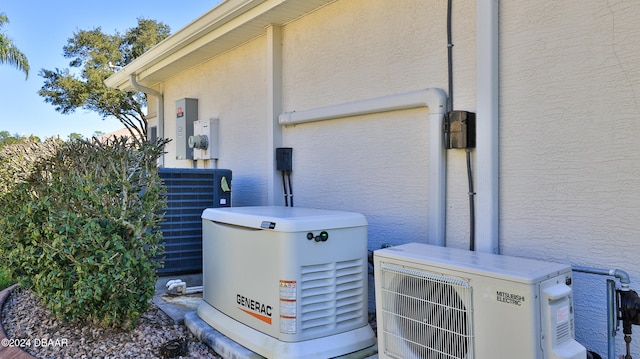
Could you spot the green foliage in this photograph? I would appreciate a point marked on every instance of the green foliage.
(75, 136)
(9, 53)
(5, 280)
(138, 40)
(79, 225)
(94, 57)
(8, 139)
(18, 162)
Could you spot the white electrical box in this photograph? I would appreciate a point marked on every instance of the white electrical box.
(287, 282)
(204, 141)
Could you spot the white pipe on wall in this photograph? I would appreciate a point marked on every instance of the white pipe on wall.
(160, 108)
(275, 192)
(435, 100)
(421, 98)
(487, 127)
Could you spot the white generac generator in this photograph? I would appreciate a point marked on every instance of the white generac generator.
(437, 302)
(287, 282)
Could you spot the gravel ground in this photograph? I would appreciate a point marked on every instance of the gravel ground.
(43, 336)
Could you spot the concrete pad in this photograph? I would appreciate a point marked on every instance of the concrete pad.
(222, 345)
(229, 349)
(176, 306)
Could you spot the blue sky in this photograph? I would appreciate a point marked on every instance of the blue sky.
(40, 29)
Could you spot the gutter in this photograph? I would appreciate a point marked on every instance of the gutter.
(435, 100)
(160, 108)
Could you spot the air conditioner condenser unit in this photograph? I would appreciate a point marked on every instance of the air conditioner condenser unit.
(445, 303)
(287, 282)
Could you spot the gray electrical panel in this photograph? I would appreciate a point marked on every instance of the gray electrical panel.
(186, 114)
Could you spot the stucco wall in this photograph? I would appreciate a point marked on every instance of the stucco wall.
(569, 149)
(232, 88)
(376, 165)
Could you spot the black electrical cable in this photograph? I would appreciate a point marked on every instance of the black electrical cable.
(450, 58)
(472, 215)
(284, 186)
(290, 187)
(472, 225)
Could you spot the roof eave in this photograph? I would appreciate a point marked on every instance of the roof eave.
(226, 26)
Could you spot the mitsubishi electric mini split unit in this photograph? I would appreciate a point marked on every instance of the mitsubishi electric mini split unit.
(435, 302)
(287, 282)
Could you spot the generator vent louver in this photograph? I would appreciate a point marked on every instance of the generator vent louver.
(430, 315)
(332, 295)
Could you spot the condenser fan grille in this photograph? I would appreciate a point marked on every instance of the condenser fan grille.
(425, 315)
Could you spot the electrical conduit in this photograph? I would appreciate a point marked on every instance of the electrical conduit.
(435, 100)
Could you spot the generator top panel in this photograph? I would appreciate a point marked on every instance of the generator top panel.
(284, 219)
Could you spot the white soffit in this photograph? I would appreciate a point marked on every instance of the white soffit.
(224, 27)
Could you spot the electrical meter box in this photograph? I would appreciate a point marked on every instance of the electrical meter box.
(186, 115)
(204, 141)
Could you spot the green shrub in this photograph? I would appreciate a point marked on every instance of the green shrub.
(5, 280)
(79, 226)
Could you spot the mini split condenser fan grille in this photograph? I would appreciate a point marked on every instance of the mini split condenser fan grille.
(429, 315)
(436, 302)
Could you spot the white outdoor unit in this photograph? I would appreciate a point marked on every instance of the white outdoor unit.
(436, 302)
(287, 282)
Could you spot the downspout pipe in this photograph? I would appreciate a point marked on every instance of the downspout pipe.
(487, 127)
(612, 314)
(160, 108)
(432, 98)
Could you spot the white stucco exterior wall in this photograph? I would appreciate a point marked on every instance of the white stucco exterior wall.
(377, 164)
(570, 155)
(231, 88)
(569, 104)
